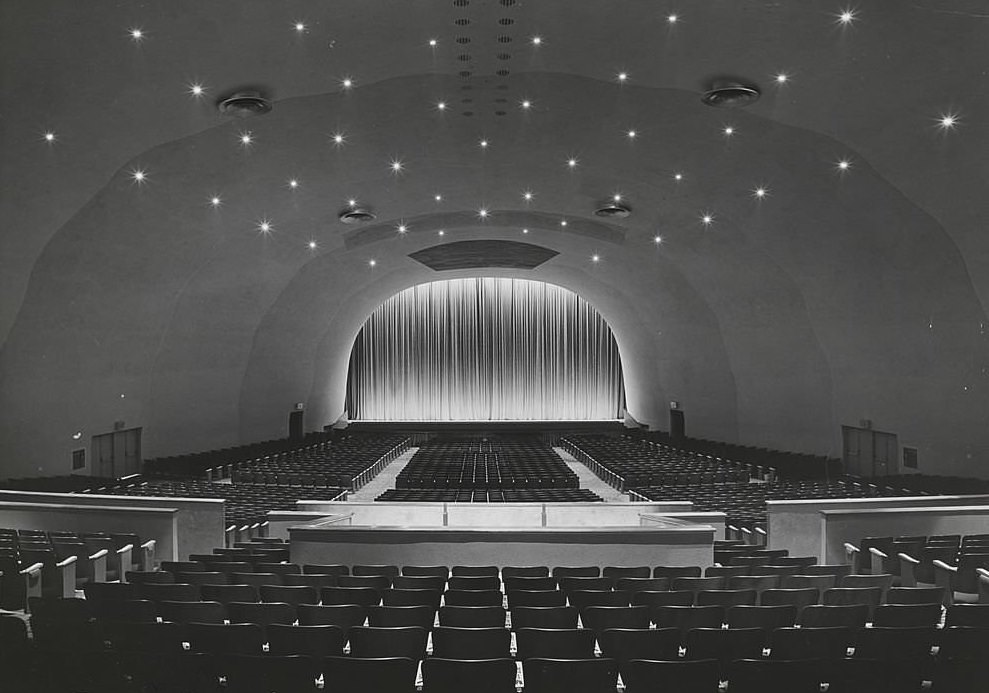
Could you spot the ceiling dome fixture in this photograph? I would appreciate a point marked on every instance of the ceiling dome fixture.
(243, 104)
(730, 95)
(613, 210)
(356, 215)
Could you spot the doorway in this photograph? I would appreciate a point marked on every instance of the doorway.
(295, 433)
(678, 426)
(869, 453)
(117, 454)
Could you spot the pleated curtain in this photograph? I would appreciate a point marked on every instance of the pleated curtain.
(485, 349)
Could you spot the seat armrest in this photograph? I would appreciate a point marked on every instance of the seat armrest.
(944, 577)
(146, 557)
(97, 565)
(230, 536)
(982, 576)
(908, 564)
(852, 557)
(761, 536)
(877, 559)
(65, 572)
(121, 561)
(32, 582)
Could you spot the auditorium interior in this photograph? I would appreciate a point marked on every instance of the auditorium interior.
(511, 346)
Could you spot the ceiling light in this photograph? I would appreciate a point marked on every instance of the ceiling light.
(438, 198)
(355, 215)
(622, 77)
(537, 40)
(846, 16)
(782, 78)
(215, 201)
(49, 136)
(678, 177)
(197, 90)
(657, 240)
(300, 27)
(433, 42)
(707, 219)
(525, 230)
(402, 228)
(312, 245)
(563, 222)
(526, 104)
(441, 106)
(728, 131)
(441, 232)
(371, 263)
(613, 209)
(617, 197)
(244, 104)
(351, 203)
(245, 138)
(843, 165)
(347, 82)
(631, 134)
(947, 121)
(595, 258)
(136, 34)
(482, 213)
(338, 138)
(760, 192)
(730, 94)
(77, 435)
(672, 19)
(527, 196)
(483, 144)
(264, 226)
(139, 176)
(396, 166)
(572, 162)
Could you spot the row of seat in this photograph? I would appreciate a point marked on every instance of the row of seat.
(508, 495)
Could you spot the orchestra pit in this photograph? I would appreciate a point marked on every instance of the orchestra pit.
(503, 346)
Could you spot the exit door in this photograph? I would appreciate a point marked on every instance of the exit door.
(117, 454)
(678, 427)
(869, 453)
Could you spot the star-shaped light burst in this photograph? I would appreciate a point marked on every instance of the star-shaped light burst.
(483, 213)
(843, 165)
(947, 121)
(347, 82)
(396, 166)
(293, 183)
(781, 78)
(760, 193)
(215, 201)
(707, 218)
(441, 105)
(352, 203)
(657, 240)
(441, 232)
(49, 137)
(678, 176)
(846, 17)
(617, 197)
(483, 144)
(264, 226)
(136, 34)
(433, 42)
(139, 176)
(631, 134)
(527, 195)
(438, 198)
(622, 77)
(402, 227)
(246, 138)
(595, 258)
(537, 40)
(300, 27)
(525, 104)
(572, 163)
(196, 90)
(312, 245)
(672, 18)
(371, 263)
(339, 139)
(728, 130)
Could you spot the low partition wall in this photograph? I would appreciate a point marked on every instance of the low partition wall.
(200, 520)
(279, 521)
(494, 514)
(795, 524)
(160, 524)
(716, 519)
(839, 526)
(333, 541)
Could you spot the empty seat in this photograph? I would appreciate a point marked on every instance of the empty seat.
(192, 612)
(377, 674)
(963, 642)
(484, 582)
(229, 593)
(436, 583)
(673, 572)
(547, 643)
(472, 598)
(826, 616)
(408, 641)
(172, 592)
(617, 572)
(907, 615)
(270, 673)
(726, 598)
(314, 641)
(345, 616)
(400, 616)
(323, 569)
(894, 644)
(798, 598)
(553, 617)
(524, 572)
(426, 571)
(263, 613)
(972, 615)
(818, 582)
(755, 675)
(471, 643)
(536, 598)
(581, 571)
(257, 579)
(624, 644)
(600, 618)
(631, 585)
(724, 644)
(376, 582)
(440, 675)
(474, 571)
(411, 597)
(363, 596)
(810, 643)
(670, 598)
(685, 676)
(584, 598)
(219, 638)
(841, 596)
(687, 617)
(473, 616)
(530, 584)
(588, 675)
(696, 584)
(914, 595)
(289, 594)
(763, 617)
(387, 570)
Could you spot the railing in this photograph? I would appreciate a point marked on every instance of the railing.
(600, 471)
(372, 471)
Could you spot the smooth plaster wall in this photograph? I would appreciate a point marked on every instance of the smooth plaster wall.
(828, 303)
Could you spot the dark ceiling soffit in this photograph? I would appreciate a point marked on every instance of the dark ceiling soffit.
(497, 219)
(483, 253)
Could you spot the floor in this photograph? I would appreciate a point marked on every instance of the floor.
(384, 480)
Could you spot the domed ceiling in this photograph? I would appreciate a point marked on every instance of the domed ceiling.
(810, 260)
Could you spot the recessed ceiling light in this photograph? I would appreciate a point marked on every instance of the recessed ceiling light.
(438, 198)
(433, 42)
(482, 213)
(246, 138)
(526, 104)
(947, 121)
(563, 222)
(441, 105)
(265, 226)
(760, 193)
(347, 82)
(525, 230)
(441, 232)
(527, 195)
(293, 183)
(572, 162)
(846, 16)
(338, 138)
(631, 134)
(49, 136)
(197, 90)
(678, 177)
(396, 166)
(707, 219)
(622, 76)
(537, 40)
(595, 258)
(402, 228)
(672, 19)
(136, 34)
(77, 435)
(371, 263)
(843, 165)
(483, 144)
(139, 176)
(215, 201)
(617, 197)
(781, 78)
(657, 240)
(351, 203)
(728, 130)
(300, 27)
(312, 245)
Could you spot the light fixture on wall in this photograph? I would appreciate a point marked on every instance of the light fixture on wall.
(243, 104)
(730, 94)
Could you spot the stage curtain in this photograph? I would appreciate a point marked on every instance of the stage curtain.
(485, 349)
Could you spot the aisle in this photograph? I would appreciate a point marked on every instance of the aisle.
(590, 481)
(385, 479)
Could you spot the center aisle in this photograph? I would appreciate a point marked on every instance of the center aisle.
(385, 479)
(590, 481)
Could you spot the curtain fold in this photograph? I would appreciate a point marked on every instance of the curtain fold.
(485, 349)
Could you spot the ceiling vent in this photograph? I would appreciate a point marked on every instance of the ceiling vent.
(244, 104)
(613, 210)
(356, 215)
(730, 95)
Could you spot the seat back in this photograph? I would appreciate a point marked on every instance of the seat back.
(471, 643)
(406, 641)
(378, 674)
(551, 617)
(400, 616)
(314, 641)
(588, 675)
(552, 643)
(472, 616)
(440, 675)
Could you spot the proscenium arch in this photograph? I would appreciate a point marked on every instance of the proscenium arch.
(485, 349)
